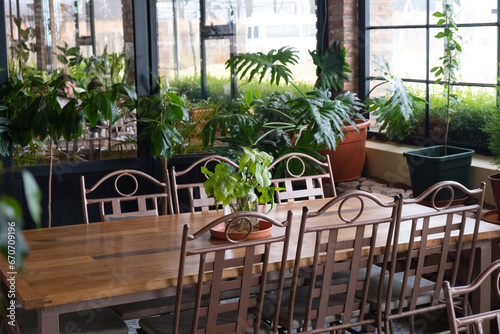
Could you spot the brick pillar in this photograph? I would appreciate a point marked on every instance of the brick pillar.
(128, 39)
(343, 27)
(41, 59)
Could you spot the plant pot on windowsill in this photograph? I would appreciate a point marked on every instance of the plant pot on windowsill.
(429, 165)
(493, 216)
(348, 159)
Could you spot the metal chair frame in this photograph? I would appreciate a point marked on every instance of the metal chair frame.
(450, 293)
(314, 183)
(204, 202)
(333, 256)
(423, 257)
(115, 202)
(251, 257)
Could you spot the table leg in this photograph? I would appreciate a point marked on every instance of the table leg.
(48, 321)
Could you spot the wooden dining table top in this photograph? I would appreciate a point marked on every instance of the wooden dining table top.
(71, 264)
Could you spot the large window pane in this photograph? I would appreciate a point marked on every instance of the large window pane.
(241, 26)
(397, 12)
(404, 49)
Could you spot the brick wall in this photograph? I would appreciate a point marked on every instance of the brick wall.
(343, 27)
(41, 60)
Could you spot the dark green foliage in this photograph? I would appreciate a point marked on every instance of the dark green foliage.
(395, 112)
(11, 219)
(157, 116)
(260, 64)
(333, 67)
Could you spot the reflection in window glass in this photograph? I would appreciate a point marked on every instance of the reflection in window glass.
(92, 40)
(256, 32)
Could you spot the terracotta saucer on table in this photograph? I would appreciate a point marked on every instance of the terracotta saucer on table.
(492, 217)
(219, 232)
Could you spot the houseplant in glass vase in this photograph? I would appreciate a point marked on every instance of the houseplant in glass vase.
(235, 189)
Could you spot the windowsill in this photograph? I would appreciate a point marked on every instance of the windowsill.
(385, 160)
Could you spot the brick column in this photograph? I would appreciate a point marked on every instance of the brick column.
(41, 59)
(343, 27)
(128, 39)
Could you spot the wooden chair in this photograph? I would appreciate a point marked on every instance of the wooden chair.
(340, 269)
(296, 184)
(111, 208)
(246, 265)
(476, 321)
(418, 267)
(95, 321)
(196, 191)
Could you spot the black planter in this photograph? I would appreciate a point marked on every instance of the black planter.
(429, 166)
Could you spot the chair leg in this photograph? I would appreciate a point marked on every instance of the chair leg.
(412, 324)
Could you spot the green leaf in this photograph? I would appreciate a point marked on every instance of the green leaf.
(260, 64)
(333, 67)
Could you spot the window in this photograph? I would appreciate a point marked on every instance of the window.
(402, 31)
(193, 61)
(87, 39)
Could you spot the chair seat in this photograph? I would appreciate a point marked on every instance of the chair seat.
(163, 324)
(96, 321)
(299, 309)
(423, 299)
(342, 277)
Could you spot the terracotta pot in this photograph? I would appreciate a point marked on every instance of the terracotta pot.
(495, 186)
(219, 232)
(348, 160)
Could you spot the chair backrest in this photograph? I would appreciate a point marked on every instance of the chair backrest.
(475, 320)
(342, 250)
(112, 208)
(296, 184)
(246, 261)
(430, 249)
(196, 191)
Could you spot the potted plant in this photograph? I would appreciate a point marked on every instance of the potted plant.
(311, 121)
(492, 128)
(350, 153)
(392, 112)
(443, 162)
(236, 188)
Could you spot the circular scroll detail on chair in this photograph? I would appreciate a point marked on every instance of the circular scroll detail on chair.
(209, 161)
(361, 209)
(228, 225)
(450, 201)
(288, 167)
(132, 193)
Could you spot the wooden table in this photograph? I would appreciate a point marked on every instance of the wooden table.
(87, 266)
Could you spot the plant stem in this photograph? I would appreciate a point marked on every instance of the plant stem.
(371, 90)
(51, 162)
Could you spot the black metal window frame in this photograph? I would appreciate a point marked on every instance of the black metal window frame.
(364, 55)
